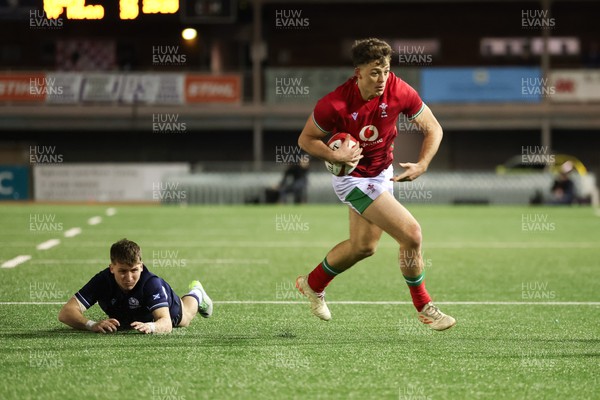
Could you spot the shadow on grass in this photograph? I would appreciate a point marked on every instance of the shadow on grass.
(186, 337)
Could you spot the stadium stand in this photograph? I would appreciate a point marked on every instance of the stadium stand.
(226, 95)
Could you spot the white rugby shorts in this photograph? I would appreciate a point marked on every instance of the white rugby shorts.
(359, 193)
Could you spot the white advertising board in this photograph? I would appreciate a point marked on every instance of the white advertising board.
(104, 182)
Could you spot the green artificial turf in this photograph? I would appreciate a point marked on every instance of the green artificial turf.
(483, 266)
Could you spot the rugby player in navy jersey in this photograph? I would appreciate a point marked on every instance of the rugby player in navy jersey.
(133, 298)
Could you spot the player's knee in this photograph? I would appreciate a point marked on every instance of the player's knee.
(186, 319)
(365, 250)
(62, 316)
(183, 324)
(414, 236)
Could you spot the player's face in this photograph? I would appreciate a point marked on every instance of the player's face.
(126, 276)
(372, 78)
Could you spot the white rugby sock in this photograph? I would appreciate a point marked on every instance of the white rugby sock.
(196, 294)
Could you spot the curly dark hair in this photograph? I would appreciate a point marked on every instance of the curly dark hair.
(365, 51)
(125, 252)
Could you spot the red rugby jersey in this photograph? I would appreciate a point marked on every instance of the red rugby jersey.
(372, 122)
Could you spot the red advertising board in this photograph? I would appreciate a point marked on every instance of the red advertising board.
(108, 87)
(23, 87)
(213, 89)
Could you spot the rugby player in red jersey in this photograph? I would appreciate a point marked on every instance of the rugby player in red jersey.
(367, 107)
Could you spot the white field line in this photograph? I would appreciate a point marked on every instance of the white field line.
(242, 261)
(48, 244)
(151, 264)
(199, 244)
(15, 261)
(456, 303)
(393, 303)
(70, 261)
(94, 220)
(54, 242)
(72, 232)
(426, 245)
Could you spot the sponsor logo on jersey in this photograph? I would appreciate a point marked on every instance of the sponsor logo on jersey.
(354, 115)
(156, 296)
(369, 133)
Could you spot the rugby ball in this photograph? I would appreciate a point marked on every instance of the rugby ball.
(334, 143)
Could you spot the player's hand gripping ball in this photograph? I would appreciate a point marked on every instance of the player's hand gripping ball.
(334, 143)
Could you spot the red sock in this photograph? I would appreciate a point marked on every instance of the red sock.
(419, 295)
(320, 277)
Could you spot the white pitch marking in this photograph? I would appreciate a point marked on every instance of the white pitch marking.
(230, 261)
(94, 220)
(151, 263)
(430, 245)
(111, 211)
(72, 232)
(69, 261)
(393, 303)
(48, 244)
(15, 261)
(455, 303)
(30, 303)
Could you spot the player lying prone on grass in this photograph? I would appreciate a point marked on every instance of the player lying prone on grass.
(133, 297)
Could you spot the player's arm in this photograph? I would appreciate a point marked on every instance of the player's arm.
(162, 322)
(433, 133)
(311, 141)
(71, 314)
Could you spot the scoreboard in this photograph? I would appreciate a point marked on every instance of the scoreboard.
(128, 9)
(206, 11)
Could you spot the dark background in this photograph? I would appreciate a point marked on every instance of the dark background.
(459, 25)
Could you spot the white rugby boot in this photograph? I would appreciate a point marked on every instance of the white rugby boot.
(437, 320)
(317, 300)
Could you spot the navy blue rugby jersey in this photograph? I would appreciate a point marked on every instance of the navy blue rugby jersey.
(149, 293)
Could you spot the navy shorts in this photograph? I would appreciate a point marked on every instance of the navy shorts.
(176, 311)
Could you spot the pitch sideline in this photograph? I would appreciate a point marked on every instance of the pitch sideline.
(350, 302)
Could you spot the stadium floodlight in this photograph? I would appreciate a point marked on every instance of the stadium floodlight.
(189, 34)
